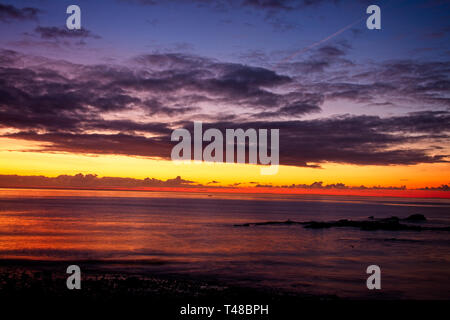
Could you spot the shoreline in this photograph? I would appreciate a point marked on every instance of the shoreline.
(42, 281)
(30, 285)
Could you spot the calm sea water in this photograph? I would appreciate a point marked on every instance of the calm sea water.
(194, 234)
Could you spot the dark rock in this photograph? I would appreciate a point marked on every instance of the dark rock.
(266, 223)
(389, 224)
(392, 219)
(416, 217)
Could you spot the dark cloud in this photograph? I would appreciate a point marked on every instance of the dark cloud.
(432, 122)
(142, 2)
(160, 84)
(339, 185)
(86, 108)
(360, 140)
(331, 51)
(306, 103)
(9, 13)
(330, 58)
(88, 181)
(246, 75)
(59, 33)
(327, 71)
(309, 67)
(443, 187)
(271, 4)
(319, 185)
(42, 97)
(406, 84)
(283, 4)
(92, 181)
(119, 144)
(258, 4)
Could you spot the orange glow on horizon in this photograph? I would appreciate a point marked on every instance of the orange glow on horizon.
(262, 190)
(34, 163)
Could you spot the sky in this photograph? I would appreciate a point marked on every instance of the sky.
(355, 107)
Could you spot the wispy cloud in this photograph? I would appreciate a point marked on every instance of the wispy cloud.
(89, 181)
(58, 33)
(9, 13)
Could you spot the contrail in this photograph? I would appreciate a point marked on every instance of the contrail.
(315, 44)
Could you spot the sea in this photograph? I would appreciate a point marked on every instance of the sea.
(195, 234)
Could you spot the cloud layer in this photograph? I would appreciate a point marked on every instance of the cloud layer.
(131, 108)
(88, 181)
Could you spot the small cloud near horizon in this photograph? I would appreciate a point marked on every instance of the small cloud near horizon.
(94, 181)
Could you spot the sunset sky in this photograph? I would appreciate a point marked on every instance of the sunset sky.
(353, 106)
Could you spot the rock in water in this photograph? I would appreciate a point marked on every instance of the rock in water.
(416, 217)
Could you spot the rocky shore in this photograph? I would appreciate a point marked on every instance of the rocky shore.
(411, 223)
